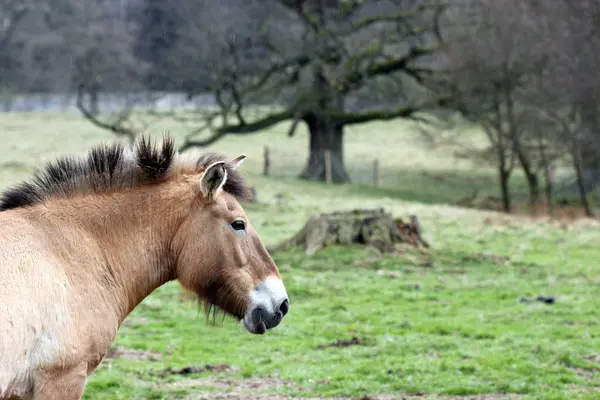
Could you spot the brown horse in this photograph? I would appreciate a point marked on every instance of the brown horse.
(88, 238)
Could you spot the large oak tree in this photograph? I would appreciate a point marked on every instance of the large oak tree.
(325, 63)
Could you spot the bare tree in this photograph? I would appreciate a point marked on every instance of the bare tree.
(527, 71)
(579, 59)
(67, 45)
(568, 87)
(326, 63)
(493, 59)
(12, 14)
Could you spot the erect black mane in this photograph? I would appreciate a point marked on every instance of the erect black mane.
(110, 166)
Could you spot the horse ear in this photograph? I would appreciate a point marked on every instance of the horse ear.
(236, 162)
(212, 180)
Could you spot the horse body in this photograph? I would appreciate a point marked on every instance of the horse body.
(60, 306)
(34, 303)
(75, 262)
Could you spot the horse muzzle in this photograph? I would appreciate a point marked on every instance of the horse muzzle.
(269, 304)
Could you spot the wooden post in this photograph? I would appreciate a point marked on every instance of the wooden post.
(328, 167)
(267, 163)
(550, 180)
(376, 173)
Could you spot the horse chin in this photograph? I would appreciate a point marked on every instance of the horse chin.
(253, 326)
(268, 305)
(227, 311)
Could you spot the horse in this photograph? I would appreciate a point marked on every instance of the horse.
(88, 237)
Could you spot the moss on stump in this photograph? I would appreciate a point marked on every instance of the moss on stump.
(375, 228)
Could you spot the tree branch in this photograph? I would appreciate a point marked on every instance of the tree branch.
(400, 112)
(239, 129)
(297, 6)
(355, 76)
(117, 127)
(297, 62)
(400, 63)
(367, 22)
(295, 122)
(12, 21)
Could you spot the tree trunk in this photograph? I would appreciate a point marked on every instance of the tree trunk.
(94, 102)
(506, 200)
(325, 137)
(504, 172)
(580, 184)
(588, 149)
(531, 177)
(533, 184)
(549, 190)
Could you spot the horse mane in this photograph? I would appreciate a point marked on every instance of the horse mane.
(112, 167)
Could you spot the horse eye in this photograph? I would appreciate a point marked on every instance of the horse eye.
(238, 225)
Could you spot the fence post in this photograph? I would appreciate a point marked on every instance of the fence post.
(376, 172)
(327, 167)
(551, 178)
(267, 161)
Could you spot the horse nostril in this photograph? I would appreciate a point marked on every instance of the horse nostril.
(284, 307)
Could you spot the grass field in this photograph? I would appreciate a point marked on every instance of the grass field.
(443, 324)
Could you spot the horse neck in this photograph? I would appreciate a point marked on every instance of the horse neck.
(128, 242)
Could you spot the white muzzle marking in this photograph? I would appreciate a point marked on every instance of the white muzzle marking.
(266, 301)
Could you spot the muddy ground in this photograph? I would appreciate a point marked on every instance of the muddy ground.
(264, 388)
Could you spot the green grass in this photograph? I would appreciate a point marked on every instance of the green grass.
(458, 328)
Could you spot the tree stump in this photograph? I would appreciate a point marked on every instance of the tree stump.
(375, 228)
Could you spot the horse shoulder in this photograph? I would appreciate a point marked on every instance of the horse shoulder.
(34, 306)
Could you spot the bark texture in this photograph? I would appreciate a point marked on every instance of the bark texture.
(325, 138)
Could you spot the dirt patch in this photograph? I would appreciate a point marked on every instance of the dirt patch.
(584, 373)
(484, 257)
(583, 389)
(388, 273)
(232, 387)
(230, 396)
(355, 341)
(595, 358)
(194, 370)
(223, 388)
(130, 354)
(492, 396)
(267, 396)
